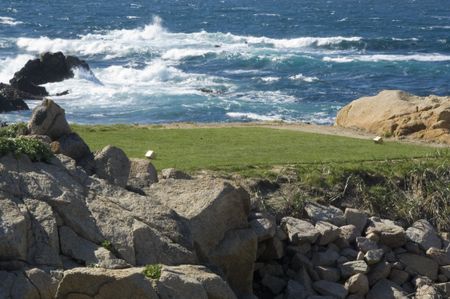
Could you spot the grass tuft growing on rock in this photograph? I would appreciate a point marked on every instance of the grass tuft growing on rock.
(107, 245)
(152, 271)
(34, 149)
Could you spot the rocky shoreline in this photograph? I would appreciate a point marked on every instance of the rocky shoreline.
(98, 225)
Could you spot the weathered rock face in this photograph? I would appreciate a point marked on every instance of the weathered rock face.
(113, 165)
(49, 67)
(49, 119)
(187, 281)
(397, 113)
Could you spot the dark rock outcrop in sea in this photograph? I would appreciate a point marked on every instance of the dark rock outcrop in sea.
(49, 67)
(25, 85)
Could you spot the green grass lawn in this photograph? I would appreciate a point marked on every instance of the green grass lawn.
(241, 147)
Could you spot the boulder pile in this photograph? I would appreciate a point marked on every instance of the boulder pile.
(98, 225)
(399, 114)
(346, 254)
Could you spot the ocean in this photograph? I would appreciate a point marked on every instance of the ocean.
(229, 60)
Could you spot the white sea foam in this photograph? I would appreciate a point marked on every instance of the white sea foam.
(270, 79)
(301, 77)
(9, 21)
(388, 57)
(156, 40)
(254, 116)
(9, 66)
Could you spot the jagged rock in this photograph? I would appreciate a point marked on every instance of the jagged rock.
(423, 233)
(378, 272)
(49, 67)
(325, 258)
(446, 271)
(391, 234)
(428, 292)
(142, 173)
(386, 289)
(357, 218)
(274, 249)
(49, 119)
(299, 231)
(397, 113)
(328, 232)
(318, 212)
(420, 264)
(328, 288)
(112, 164)
(357, 284)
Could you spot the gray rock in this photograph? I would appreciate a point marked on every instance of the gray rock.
(172, 173)
(353, 267)
(378, 272)
(49, 119)
(348, 233)
(45, 283)
(445, 270)
(328, 232)
(264, 228)
(318, 212)
(357, 284)
(365, 244)
(295, 290)
(142, 173)
(328, 273)
(398, 276)
(440, 256)
(349, 253)
(420, 264)
(328, 288)
(428, 292)
(356, 217)
(424, 234)
(273, 283)
(112, 165)
(374, 256)
(14, 223)
(325, 258)
(274, 249)
(391, 234)
(299, 231)
(73, 146)
(386, 289)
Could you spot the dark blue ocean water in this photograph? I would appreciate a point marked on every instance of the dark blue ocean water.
(256, 60)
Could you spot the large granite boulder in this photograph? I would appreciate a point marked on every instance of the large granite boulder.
(49, 67)
(397, 113)
(113, 165)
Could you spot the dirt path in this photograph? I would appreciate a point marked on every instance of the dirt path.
(302, 127)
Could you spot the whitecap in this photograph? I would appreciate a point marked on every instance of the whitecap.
(301, 77)
(9, 66)
(270, 79)
(9, 21)
(254, 116)
(389, 57)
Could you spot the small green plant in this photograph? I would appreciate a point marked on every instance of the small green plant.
(107, 245)
(14, 130)
(34, 149)
(152, 271)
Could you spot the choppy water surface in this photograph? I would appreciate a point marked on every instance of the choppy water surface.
(168, 61)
